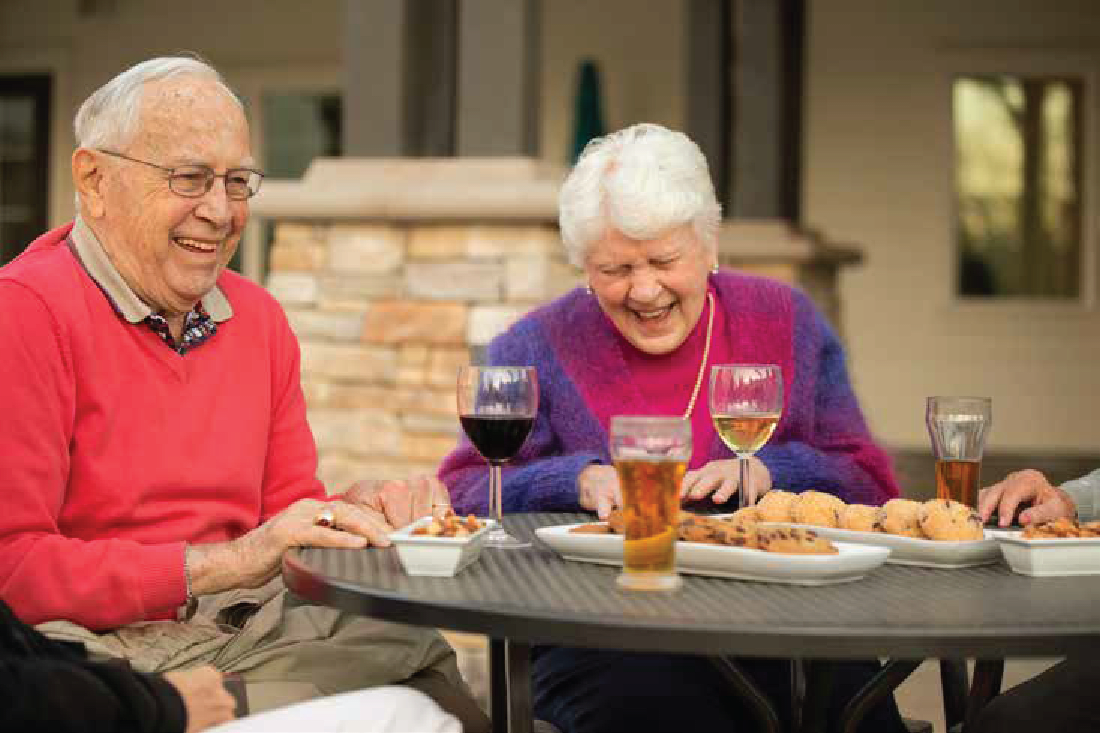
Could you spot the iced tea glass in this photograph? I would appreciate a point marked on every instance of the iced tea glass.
(651, 456)
(958, 427)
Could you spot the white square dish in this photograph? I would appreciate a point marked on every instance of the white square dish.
(431, 555)
(1049, 556)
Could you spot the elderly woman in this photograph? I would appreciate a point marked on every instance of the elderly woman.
(639, 215)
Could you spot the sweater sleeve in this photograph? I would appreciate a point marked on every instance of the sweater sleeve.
(45, 575)
(67, 695)
(290, 469)
(1084, 493)
(839, 455)
(540, 478)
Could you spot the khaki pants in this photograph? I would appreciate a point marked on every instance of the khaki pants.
(284, 650)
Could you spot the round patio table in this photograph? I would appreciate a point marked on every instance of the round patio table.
(532, 596)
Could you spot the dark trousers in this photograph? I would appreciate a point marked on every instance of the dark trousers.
(579, 690)
(1062, 698)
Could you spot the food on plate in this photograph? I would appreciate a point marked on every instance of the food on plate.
(593, 528)
(775, 506)
(900, 517)
(1063, 528)
(943, 519)
(794, 540)
(816, 508)
(860, 518)
(450, 525)
(737, 533)
(746, 514)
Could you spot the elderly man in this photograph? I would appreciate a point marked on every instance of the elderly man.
(154, 453)
(1060, 698)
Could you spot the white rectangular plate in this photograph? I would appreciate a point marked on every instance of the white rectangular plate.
(918, 551)
(704, 559)
(1049, 556)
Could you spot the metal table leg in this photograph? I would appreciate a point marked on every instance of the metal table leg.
(498, 685)
(988, 676)
(520, 705)
(819, 688)
(761, 706)
(953, 679)
(892, 675)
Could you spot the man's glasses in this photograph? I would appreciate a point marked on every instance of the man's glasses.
(195, 180)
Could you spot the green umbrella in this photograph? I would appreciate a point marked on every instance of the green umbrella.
(587, 115)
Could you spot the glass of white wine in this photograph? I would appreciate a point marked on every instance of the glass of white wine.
(746, 402)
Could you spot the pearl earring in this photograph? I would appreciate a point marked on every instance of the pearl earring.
(714, 269)
(588, 289)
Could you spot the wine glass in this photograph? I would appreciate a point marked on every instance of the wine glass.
(746, 401)
(497, 406)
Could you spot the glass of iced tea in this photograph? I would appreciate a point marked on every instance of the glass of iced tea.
(746, 402)
(651, 456)
(958, 427)
(497, 407)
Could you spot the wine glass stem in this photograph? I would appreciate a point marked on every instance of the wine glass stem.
(496, 509)
(743, 466)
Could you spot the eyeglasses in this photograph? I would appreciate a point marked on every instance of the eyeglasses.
(195, 180)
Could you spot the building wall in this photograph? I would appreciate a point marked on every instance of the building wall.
(878, 173)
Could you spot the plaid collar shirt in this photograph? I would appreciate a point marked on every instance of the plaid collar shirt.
(200, 324)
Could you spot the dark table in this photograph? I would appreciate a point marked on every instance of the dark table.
(531, 596)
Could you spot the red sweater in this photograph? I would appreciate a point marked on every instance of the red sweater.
(115, 450)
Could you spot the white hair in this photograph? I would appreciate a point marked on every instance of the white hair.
(109, 117)
(643, 181)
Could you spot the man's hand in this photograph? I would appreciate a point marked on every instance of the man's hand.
(1048, 502)
(204, 697)
(253, 559)
(400, 501)
(719, 480)
(598, 489)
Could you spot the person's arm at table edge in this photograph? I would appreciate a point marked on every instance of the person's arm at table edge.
(1083, 491)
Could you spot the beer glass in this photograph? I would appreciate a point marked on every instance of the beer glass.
(958, 427)
(651, 456)
(746, 402)
(497, 407)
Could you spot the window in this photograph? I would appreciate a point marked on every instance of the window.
(298, 127)
(1018, 161)
(24, 161)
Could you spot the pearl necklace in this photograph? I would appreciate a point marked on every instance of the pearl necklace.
(703, 365)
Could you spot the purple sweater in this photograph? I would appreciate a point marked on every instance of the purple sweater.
(822, 441)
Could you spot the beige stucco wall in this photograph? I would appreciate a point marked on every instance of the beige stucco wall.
(878, 173)
(639, 48)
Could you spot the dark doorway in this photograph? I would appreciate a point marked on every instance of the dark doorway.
(24, 161)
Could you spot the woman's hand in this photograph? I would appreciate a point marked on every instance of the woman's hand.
(598, 489)
(719, 480)
(1048, 502)
(204, 697)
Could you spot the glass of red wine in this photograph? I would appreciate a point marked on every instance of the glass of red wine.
(497, 406)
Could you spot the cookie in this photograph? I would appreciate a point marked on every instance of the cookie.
(775, 506)
(736, 534)
(950, 520)
(858, 517)
(816, 508)
(793, 540)
(899, 517)
(695, 529)
(745, 514)
(1060, 528)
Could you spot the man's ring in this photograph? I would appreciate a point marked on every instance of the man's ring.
(325, 519)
